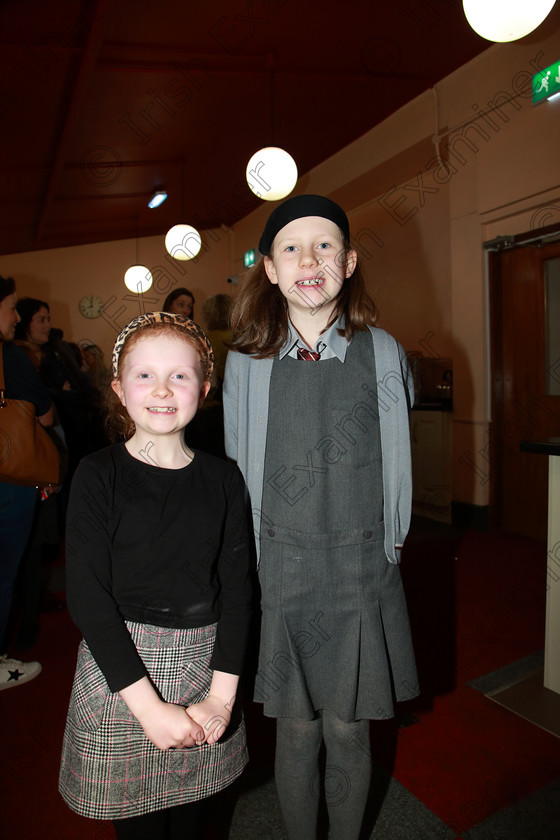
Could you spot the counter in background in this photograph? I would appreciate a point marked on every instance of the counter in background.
(430, 437)
(443, 405)
(551, 447)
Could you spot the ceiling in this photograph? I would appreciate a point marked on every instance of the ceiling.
(106, 101)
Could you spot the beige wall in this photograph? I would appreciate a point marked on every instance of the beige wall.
(61, 276)
(419, 228)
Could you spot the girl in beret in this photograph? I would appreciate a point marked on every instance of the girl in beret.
(316, 403)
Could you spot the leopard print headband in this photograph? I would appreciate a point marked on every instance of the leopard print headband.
(161, 318)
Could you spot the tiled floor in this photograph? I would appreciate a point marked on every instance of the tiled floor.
(403, 817)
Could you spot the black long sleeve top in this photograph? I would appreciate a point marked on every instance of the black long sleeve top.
(164, 547)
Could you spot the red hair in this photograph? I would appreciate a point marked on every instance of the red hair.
(118, 422)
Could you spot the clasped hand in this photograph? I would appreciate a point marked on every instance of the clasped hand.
(213, 715)
(170, 727)
(173, 727)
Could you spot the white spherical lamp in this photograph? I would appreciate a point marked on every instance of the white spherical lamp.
(183, 242)
(271, 173)
(505, 20)
(138, 279)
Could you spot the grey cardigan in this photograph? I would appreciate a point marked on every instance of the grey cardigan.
(245, 395)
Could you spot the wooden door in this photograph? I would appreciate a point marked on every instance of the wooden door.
(522, 406)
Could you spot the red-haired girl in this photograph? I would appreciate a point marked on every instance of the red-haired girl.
(158, 582)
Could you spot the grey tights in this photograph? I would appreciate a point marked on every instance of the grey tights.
(346, 781)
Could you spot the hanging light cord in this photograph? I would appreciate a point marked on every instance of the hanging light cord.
(272, 107)
(436, 138)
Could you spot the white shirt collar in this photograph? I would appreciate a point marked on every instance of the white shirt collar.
(330, 343)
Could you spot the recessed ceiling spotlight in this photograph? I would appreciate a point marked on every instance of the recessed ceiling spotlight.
(157, 199)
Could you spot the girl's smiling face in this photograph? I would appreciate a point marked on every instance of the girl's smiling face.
(309, 264)
(161, 384)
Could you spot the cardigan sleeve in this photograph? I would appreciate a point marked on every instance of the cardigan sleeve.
(408, 379)
(88, 571)
(395, 389)
(230, 396)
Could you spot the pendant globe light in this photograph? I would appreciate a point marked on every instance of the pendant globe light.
(271, 172)
(183, 242)
(506, 20)
(138, 278)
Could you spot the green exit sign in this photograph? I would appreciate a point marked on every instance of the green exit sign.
(249, 258)
(546, 83)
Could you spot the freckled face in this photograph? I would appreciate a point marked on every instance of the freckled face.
(308, 263)
(8, 317)
(40, 326)
(161, 384)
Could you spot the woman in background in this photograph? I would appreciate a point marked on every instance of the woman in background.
(179, 302)
(17, 503)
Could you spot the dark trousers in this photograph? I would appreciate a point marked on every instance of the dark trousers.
(17, 508)
(183, 822)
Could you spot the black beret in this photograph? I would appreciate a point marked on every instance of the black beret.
(297, 208)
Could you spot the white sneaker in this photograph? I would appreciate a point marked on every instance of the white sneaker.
(14, 672)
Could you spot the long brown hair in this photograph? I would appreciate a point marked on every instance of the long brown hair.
(259, 317)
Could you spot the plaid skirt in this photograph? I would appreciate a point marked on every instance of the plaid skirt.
(109, 769)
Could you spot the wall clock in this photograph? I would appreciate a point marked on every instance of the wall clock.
(91, 306)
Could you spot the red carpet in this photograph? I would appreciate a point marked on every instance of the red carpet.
(466, 758)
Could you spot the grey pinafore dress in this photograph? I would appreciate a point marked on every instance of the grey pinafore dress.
(335, 633)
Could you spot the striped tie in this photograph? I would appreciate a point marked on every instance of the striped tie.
(307, 355)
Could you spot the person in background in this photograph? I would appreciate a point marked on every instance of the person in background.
(62, 354)
(72, 431)
(69, 388)
(17, 503)
(95, 367)
(206, 431)
(33, 328)
(316, 403)
(98, 376)
(77, 353)
(179, 302)
(216, 311)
